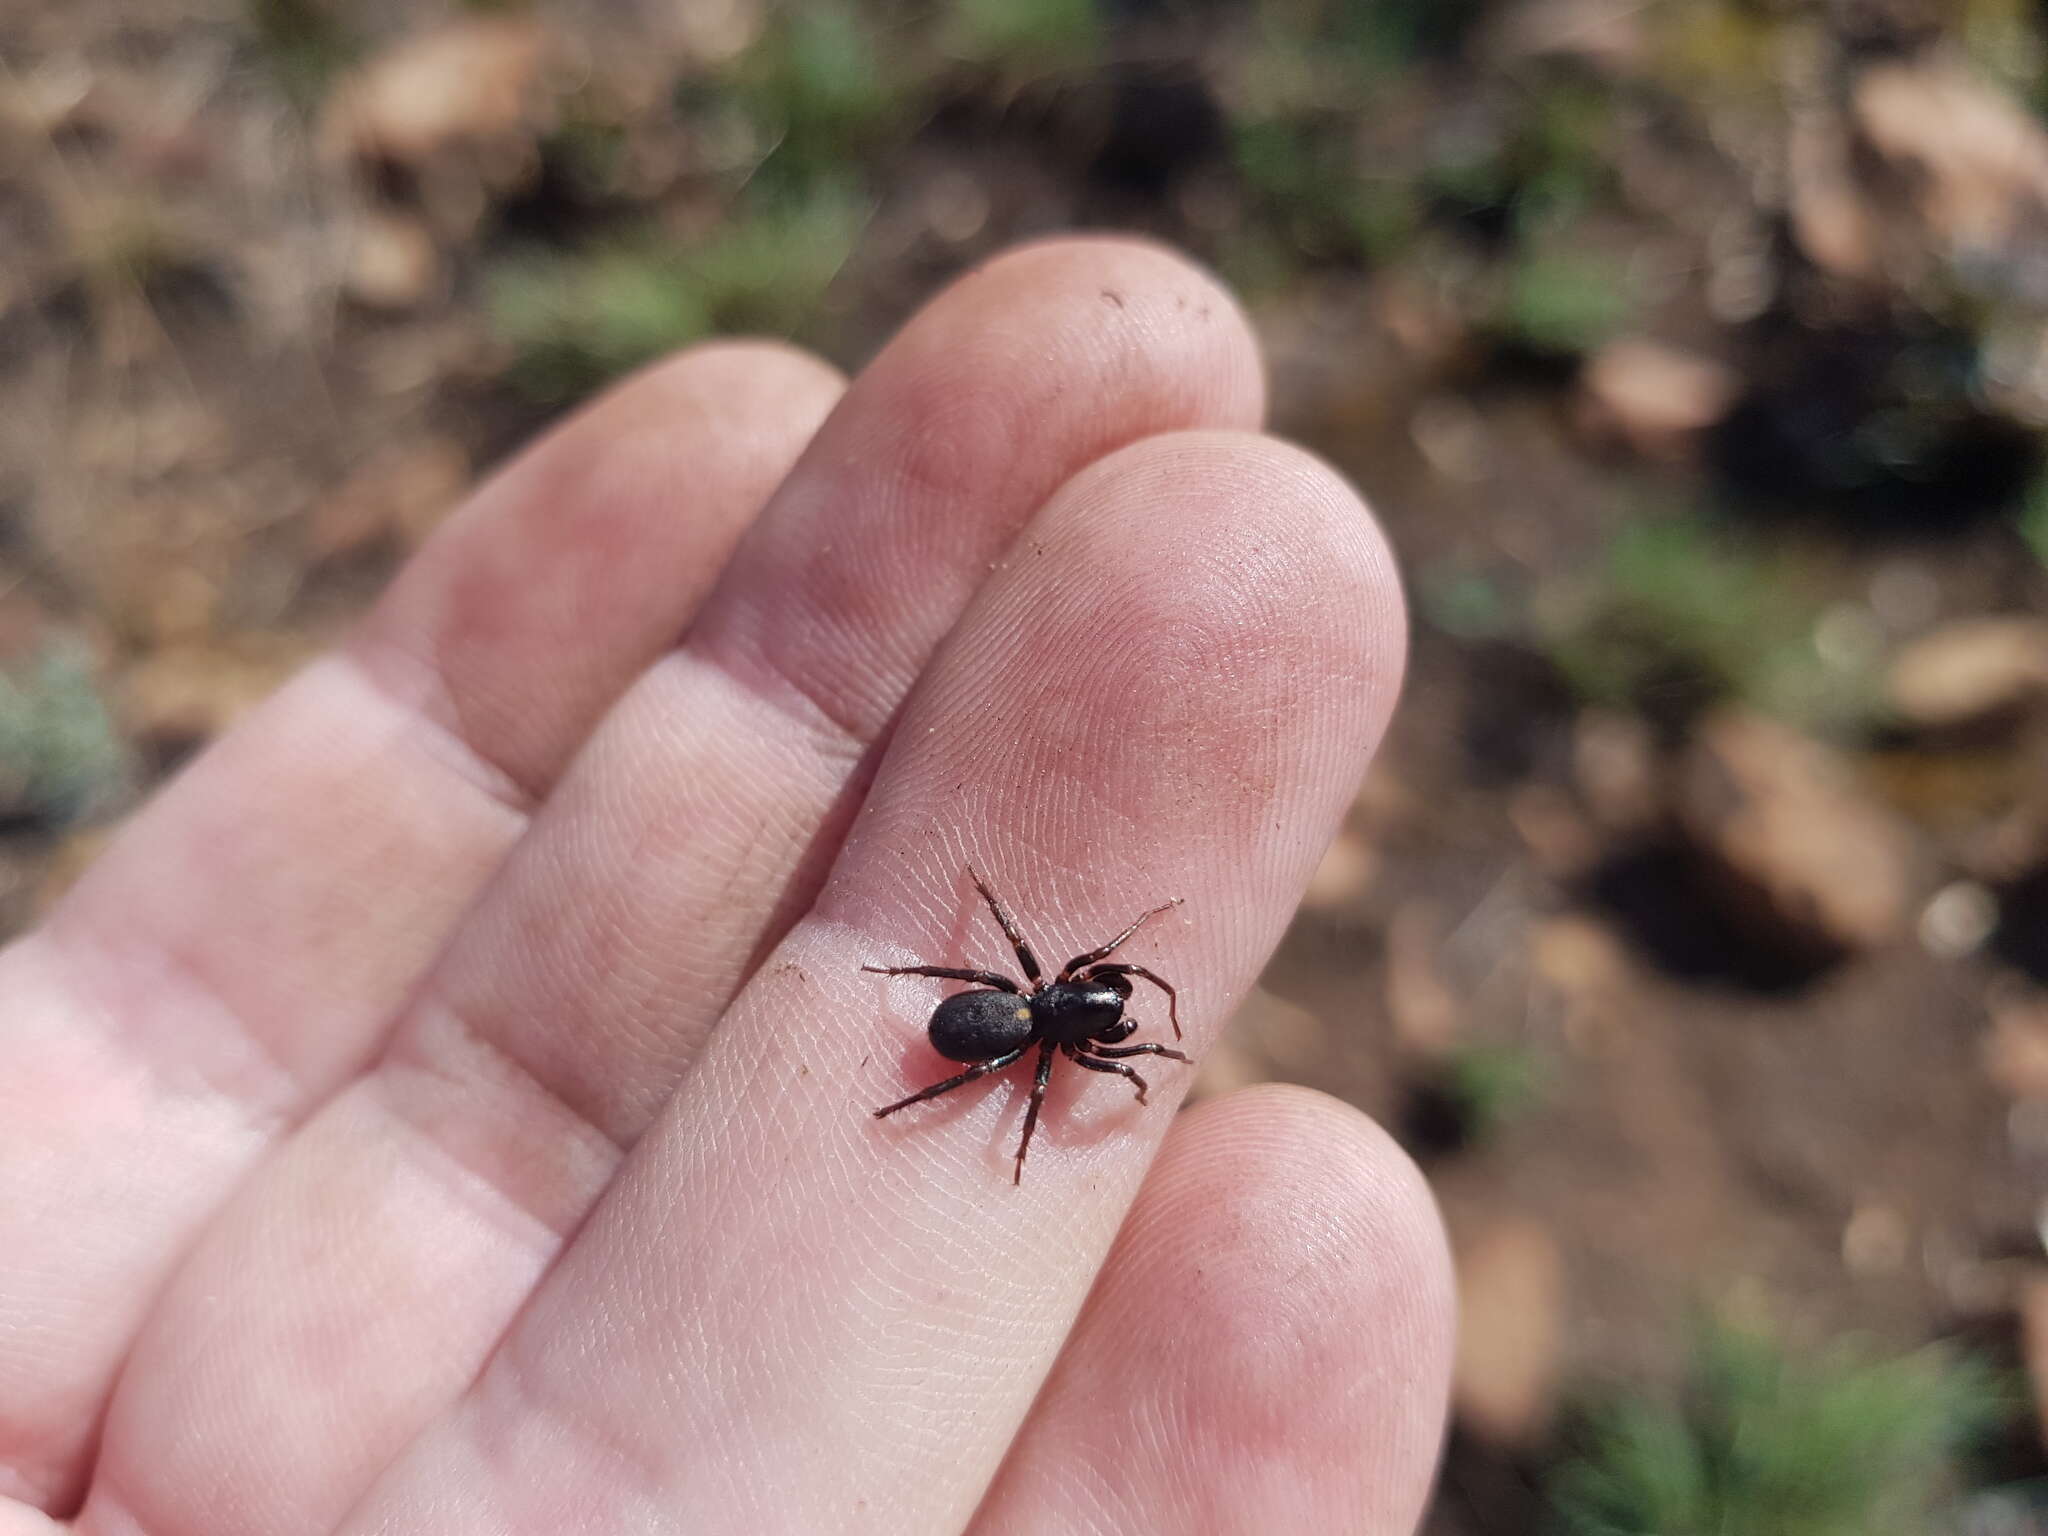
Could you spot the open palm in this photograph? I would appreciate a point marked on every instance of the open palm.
(447, 1107)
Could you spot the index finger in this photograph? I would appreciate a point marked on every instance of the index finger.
(785, 1317)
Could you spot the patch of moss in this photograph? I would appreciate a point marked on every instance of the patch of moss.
(1760, 1443)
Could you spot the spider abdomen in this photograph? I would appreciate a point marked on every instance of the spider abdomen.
(980, 1026)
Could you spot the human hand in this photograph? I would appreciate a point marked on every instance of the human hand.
(447, 1107)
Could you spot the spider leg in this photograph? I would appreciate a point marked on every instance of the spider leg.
(1119, 968)
(1109, 1066)
(979, 1069)
(1067, 971)
(1038, 1083)
(1010, 930)
(1137, 1050)
(947, 973)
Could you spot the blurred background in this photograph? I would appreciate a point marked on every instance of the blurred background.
(1693, 931)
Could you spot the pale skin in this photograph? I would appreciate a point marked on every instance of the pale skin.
(445, 1108)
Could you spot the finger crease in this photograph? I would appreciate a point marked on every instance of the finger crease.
(516, 1410)
(515, 1121)
(444, 741)
(259, 1082)
(796, 698)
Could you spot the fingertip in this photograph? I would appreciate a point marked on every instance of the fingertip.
(1161, 331)
(1290, 1133)
(1281, 1197)
(747, 386)
(579, 561)
(1321, 1291)
(1280, 541)
(762, 398)
(1150, 287)
(1268, 1346)
(758, 367)
(1208, 625)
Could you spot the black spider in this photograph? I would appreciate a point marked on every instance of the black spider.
(1079, 1012)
